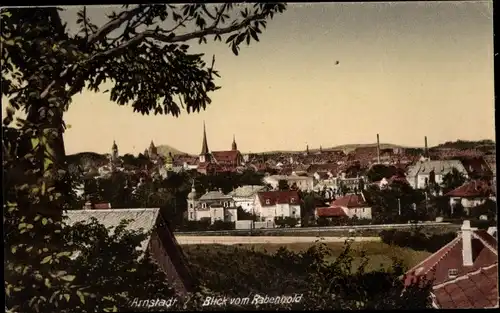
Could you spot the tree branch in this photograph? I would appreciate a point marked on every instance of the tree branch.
(113, 24)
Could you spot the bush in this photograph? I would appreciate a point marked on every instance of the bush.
(239, 272)
(416, 239)
(286, 221)
(221, 225)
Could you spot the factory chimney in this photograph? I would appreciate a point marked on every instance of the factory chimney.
(378, 150)
(426, 149)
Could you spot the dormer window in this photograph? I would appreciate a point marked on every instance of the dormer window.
(452, 273)
(204, 205)
(267, 201)
(292, 200)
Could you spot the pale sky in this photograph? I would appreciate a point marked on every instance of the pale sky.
(406, 70)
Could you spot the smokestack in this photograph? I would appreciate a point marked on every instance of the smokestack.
(426, 150)
(378, 149)
(467, 244)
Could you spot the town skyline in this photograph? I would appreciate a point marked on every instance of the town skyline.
(324, 74)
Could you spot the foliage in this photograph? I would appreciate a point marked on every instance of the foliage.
(245, 216)
(379, 171)
(488, 208)
(227, 181)
(416, 239)
(286, 221)
(43, 67)
(465, 144)
(283, 185)
(452, 180)
(324, 284)
(88, 274)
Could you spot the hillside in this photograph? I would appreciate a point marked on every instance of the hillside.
(348, 147)
(165, 149)
(465, 144)
(87, 159)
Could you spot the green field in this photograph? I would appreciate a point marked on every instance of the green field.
(379, 255)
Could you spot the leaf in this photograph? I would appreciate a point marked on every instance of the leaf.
(14, 249)
(68, 278)
(44, 221)
(230, 38)
(235, 49)
(80, 295)
(21, 226)
(47, 283)
(46, 259)
(66, 296)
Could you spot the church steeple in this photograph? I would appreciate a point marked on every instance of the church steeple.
(234, 146)
(204, 147)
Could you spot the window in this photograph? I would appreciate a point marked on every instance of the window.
(191, 205)
(267, 201)
(293, 212)
(292, 200)
(204, 205)
(191, 214)
(452, 272)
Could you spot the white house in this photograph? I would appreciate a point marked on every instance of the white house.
(213, 205)
(303, 183)
(244, 196)
(272, 204)
(419, 174)
(470, 194)
(348, 206)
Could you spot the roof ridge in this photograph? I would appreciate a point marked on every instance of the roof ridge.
(450, 244)
(486, 244)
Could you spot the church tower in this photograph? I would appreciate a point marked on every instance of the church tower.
(234, 146)
(114, 151)
(113, 160)
(169, 162)
(191, 201)
(152, 151)
(205, 154)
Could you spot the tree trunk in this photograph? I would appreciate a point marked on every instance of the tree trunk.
(49, 120)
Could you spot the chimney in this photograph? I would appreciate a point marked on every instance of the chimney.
(378, 149)
(426, 150)
(467, 243)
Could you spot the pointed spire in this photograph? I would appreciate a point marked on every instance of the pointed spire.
(234, 146)
(152, 144)
(204, 147)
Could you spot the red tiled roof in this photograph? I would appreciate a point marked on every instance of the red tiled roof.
(226, 156)
(472, 284)
(278, 197)
(350, 201)
(101, 206)
(330, 212)
(474, 291)
(475, 188)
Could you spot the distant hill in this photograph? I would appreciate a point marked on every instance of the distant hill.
(87, 159)
(465, 144)
(347, 147)
(165, 149)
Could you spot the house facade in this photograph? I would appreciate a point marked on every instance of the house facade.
(470, 194)
(271, 204)
(419, 175)
(213, 205)
(303, 183)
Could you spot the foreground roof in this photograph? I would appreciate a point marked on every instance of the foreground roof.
(473, 286)
(141, 219)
